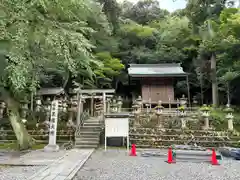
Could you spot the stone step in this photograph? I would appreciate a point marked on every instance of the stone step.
(86, 146)
(83, 138)
(92, 124)
(88, 135)
(90, 127)
(93, 121)
(89, 132)
(86, 142)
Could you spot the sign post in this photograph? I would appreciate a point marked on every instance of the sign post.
(52, 146)
(117, 125)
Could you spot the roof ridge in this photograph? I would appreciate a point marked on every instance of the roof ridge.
(156, 65)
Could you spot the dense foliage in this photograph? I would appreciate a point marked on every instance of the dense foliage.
(83, 42)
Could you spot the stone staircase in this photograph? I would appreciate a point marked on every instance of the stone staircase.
(89, 134)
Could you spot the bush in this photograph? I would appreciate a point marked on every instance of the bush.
(219, 120)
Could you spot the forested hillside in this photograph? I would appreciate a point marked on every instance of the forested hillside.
(46, 43)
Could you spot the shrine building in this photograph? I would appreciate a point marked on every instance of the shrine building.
(155, 82)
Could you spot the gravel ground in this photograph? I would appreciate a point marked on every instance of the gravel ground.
(23, 172)
(117, 165)
(18, 172)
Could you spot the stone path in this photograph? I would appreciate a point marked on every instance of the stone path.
(33, 158)
(40, 165)
(65, 167)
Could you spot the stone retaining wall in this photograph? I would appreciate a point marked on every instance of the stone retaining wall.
(155, 137)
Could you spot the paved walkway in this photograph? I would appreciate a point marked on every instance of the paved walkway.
(33, 158)
(65, 167)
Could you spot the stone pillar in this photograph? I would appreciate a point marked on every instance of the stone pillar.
(205, 114)
(158, 111)
(38, 104)
(182, 114)
(114, 107)
(229, 117)
(119, 104)
(52, 146)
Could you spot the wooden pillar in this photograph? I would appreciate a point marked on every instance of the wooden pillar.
(104, 103)
(92, 106)
(188, 89)
(79, 108)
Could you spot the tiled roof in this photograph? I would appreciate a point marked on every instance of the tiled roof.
(50, 91)
(156, 70)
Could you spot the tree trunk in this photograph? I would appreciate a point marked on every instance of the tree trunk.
(25, 141)
(201, 88)
(214, 81)
(228, 94)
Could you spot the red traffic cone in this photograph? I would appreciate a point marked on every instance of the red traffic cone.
(170, 157)
(214, 158)
(133, 150)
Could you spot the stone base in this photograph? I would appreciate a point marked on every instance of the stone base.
(51, 148)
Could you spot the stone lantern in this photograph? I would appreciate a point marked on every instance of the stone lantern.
(119, 104)
(148, 107)
(48, 104)
(158, 111)
(47, 109)
(38, 103)
(114, 106)
(139, 102)
(159, 108)
(70, 110)
(108, 102)
(195, 102)
(229, 116)
(182, 114)
(183, 100)
(64, 105)
(205, 114)
(136, 111)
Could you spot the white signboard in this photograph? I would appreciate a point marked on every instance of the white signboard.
(117, 127)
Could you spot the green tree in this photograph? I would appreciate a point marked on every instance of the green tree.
(144, 11)
(41, 35)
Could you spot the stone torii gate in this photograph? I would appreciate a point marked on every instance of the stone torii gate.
(92, 94)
